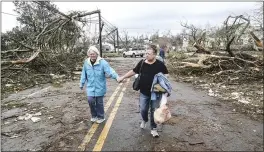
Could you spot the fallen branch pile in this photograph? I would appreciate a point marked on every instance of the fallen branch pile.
(237, 80)
(43, 46)
(242, 67)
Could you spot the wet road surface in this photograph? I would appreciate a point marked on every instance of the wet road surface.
(198, 123)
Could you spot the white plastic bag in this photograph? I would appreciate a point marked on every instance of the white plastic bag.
(162, 114)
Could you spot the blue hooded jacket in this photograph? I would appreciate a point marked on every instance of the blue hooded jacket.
(95, 77)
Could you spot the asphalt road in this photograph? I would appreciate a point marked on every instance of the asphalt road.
(198, 123)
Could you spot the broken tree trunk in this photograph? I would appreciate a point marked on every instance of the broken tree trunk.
(228, 47)
(257, 42)
(21, 61)
(204, 57)
(200, 49)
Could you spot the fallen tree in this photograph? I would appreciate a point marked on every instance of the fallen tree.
(223, 76)
(45, 44)
(62, 31)
(215, 66)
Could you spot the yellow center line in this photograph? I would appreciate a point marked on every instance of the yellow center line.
(100, 142)
(94, 127)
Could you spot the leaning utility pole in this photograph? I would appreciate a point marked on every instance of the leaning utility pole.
(117, 40)
(115, 43)
(100, 33)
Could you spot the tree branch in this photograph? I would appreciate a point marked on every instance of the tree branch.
(52, 9)
(44, 29)
(22, 61)
(26, 46)
(15, 50)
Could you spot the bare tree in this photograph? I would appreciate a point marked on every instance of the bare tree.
(258, 15)
(126, 40)
(177, 40)
(196, 36)
(217, 35)
(234, 30)
(257, 19)
(154, 37)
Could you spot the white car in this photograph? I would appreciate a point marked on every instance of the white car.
(134, 52)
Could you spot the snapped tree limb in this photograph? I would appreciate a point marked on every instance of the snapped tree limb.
(15, 50)
(21, 61)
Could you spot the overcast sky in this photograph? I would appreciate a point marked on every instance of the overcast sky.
(147, 17)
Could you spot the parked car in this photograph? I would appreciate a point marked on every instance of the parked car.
(134, 52)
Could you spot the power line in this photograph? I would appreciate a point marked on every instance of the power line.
(107, 21)
(108, 24)
(138, 29)
(111, 27)
(9, 14)
(108, 29)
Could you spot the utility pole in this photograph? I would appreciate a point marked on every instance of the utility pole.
(100, 33)
(117, 40)
(115, 43)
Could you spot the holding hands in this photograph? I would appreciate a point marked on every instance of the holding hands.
(120, 79)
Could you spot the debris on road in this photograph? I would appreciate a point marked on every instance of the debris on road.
(235, 95)
(35, 119)
(37, 114)
(8, 134)
(211, 93)
(28, 116)
(77, 72)
(6, 123)
(14, 136)
(243, 101)
(195, 142)
(9, 85)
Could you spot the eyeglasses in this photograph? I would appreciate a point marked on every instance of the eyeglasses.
(149, 53)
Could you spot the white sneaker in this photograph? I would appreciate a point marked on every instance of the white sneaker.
(100, 120)
(93, 119)
(154, 132)
(143, 125)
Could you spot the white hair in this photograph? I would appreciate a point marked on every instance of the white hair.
(93, 49)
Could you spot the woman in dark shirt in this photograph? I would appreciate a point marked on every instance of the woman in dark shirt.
(150, 68)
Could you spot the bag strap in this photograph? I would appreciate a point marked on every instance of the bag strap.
(141, 66)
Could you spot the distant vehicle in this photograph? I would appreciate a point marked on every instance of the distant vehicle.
(121, 49)
(134, 52)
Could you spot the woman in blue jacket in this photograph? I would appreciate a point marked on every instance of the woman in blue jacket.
(93, 73)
